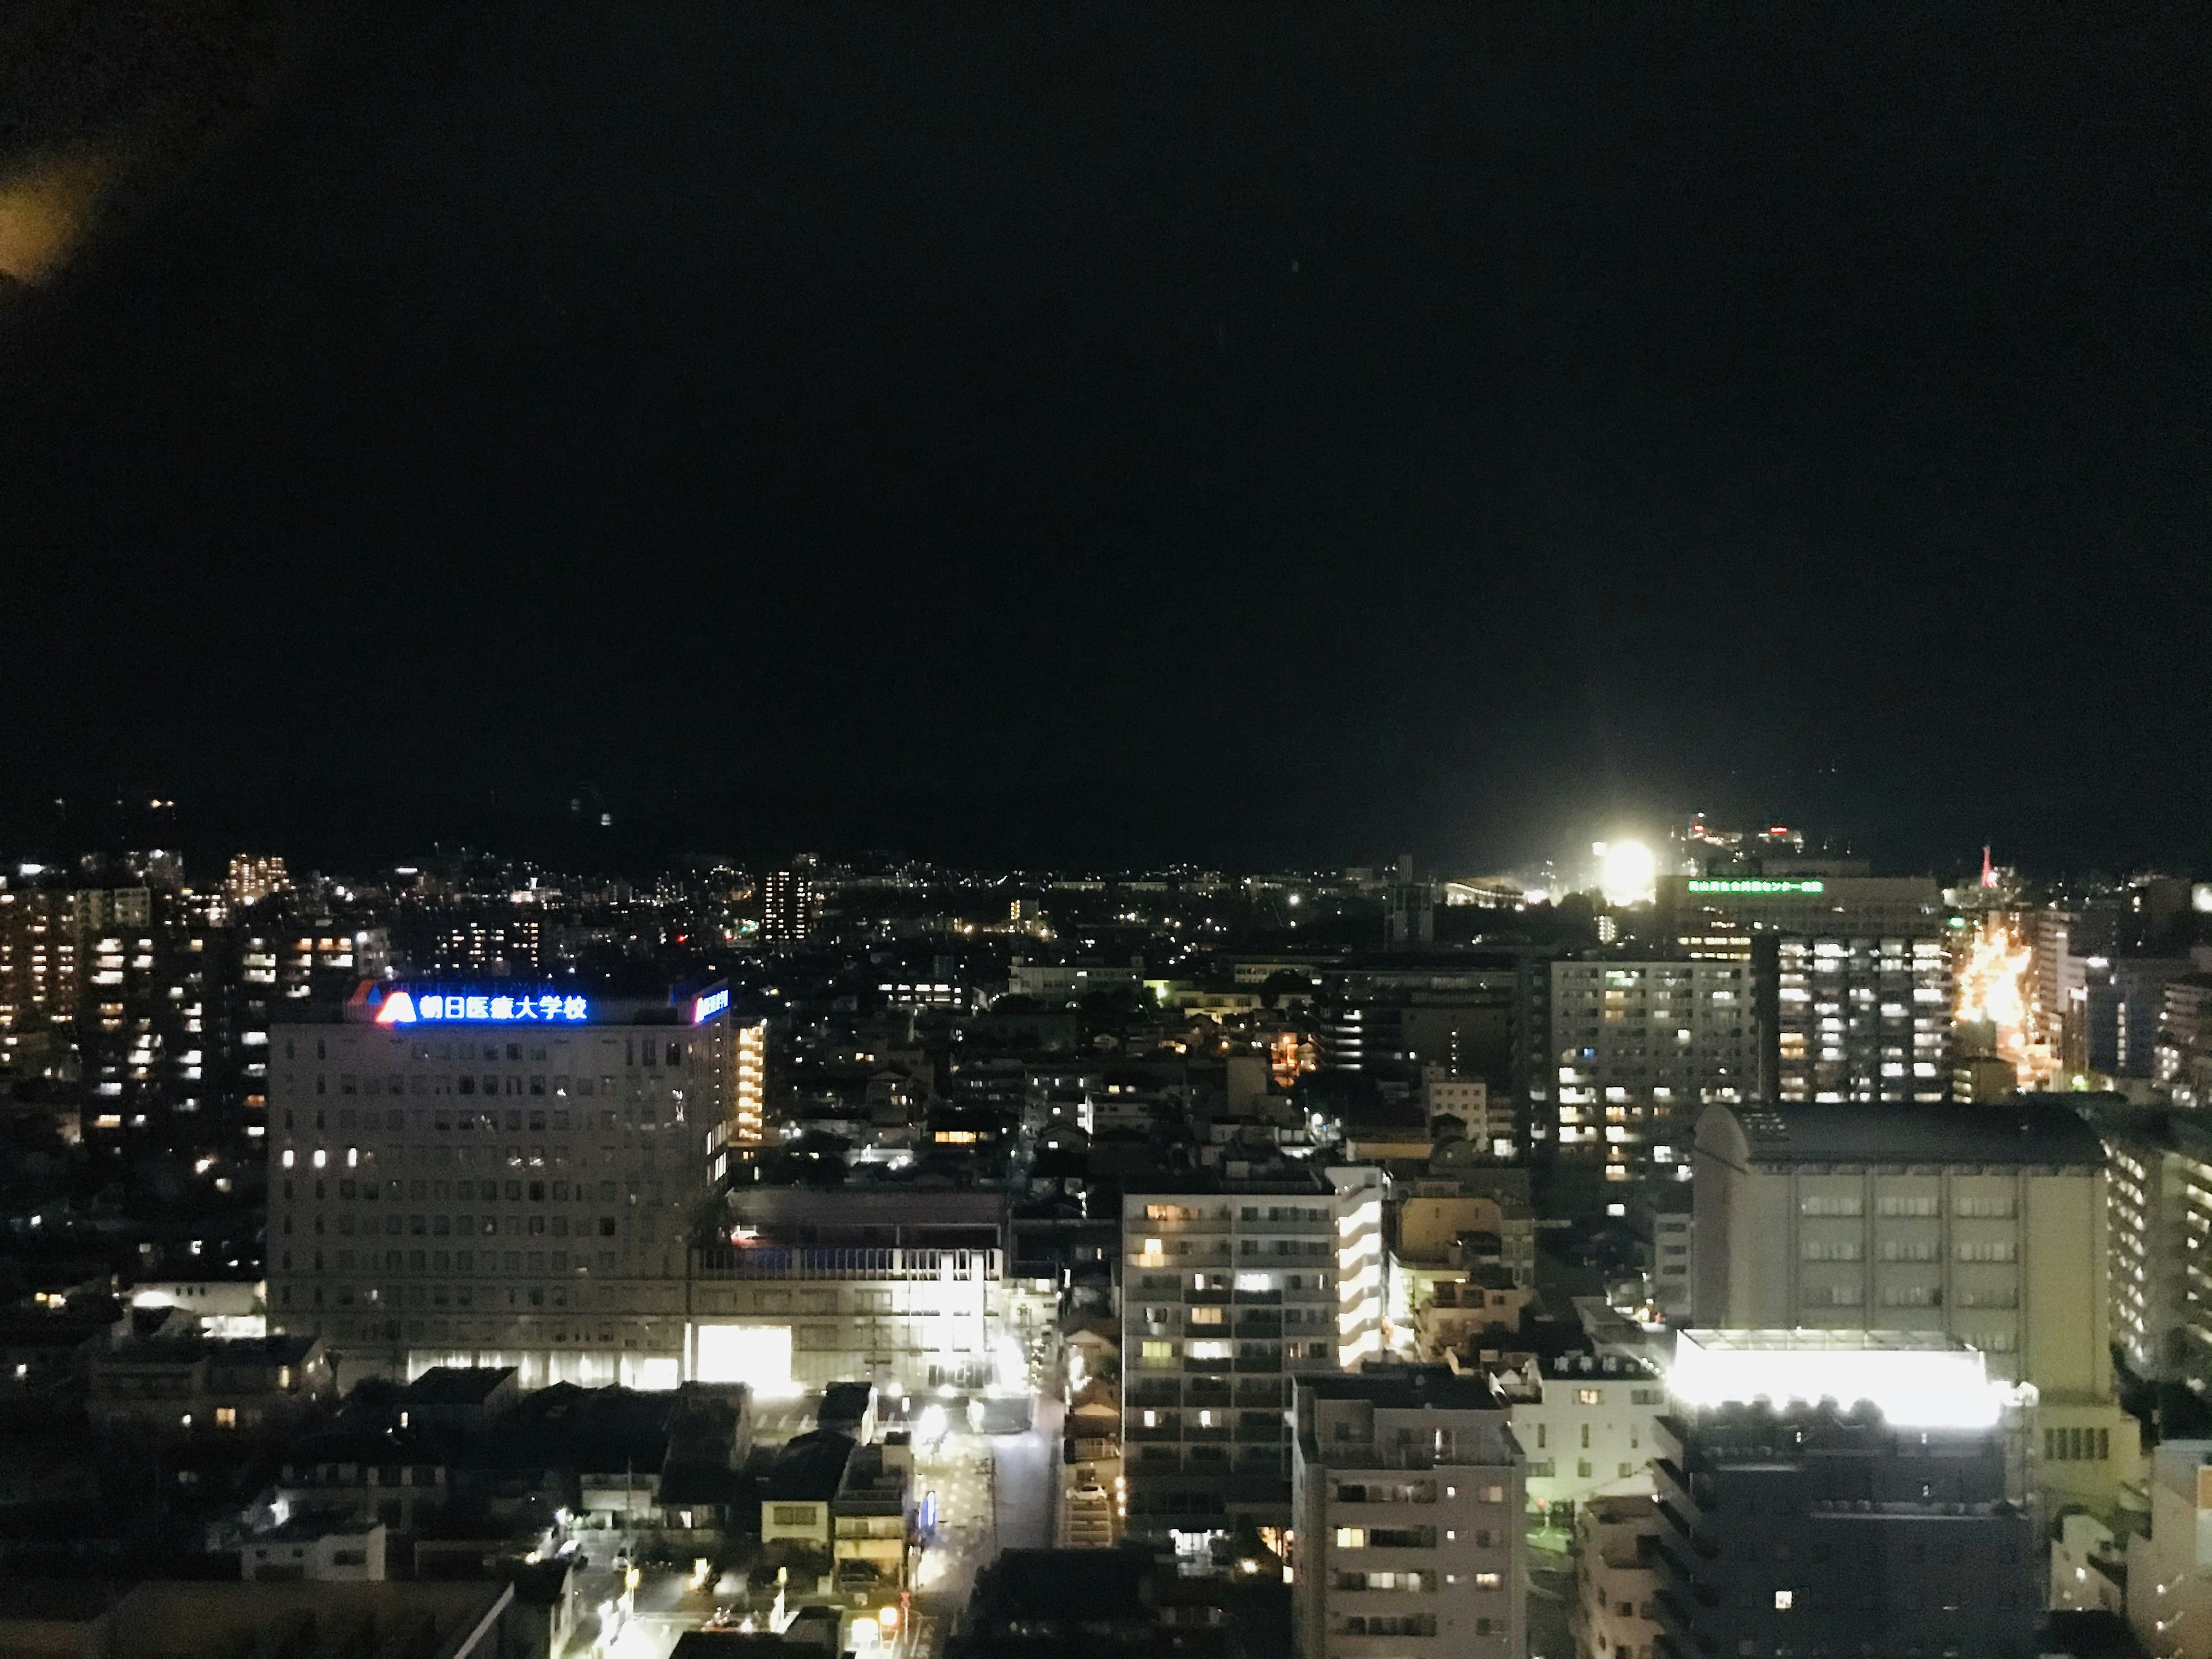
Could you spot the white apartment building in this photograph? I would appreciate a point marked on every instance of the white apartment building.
(1231, 1288)
(1639, 1049)
(1584, 1425)
(494, 1175)
(1406, 1489)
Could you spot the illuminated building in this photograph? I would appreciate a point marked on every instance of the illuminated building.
(507, 946)
(1907, 908)
(1585, 1423)
(1862, 1019)
(39, 980)
(2159, 1189)
(749, 1085)
(255, 876)
(790, 904)
(1985, 1224)
(1231, 1288)
(1407, 1503)
(2182, 1059)
(1796, 1521)
(906, 1289)
(1639, 1049)
(492, 1175)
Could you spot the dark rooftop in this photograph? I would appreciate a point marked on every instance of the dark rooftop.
(2028, 1129)
(1409, 1387)
(456, 1385)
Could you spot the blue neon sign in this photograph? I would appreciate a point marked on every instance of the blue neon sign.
(705, 1008)
(403, 1007)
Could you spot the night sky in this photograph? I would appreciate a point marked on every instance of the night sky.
(1108, 432)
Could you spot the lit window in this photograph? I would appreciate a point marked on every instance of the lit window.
(1486, 1580)
(1784, 1600)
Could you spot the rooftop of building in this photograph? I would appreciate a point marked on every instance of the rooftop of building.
(2028, 1129)
(1407, 1388)
(458, 1385)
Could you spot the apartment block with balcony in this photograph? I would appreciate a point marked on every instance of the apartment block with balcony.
(1232, 1289)
(1638, 1048)
(1407, 1491)
(1862, 1019)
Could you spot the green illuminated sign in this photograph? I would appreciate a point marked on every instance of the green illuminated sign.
(1758, 884)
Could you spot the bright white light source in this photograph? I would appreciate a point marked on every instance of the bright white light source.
(757, 1355)
(1627, 873)
(1916, 1380)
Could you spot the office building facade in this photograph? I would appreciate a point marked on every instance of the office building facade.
(1985, 1225)
(478, 1175)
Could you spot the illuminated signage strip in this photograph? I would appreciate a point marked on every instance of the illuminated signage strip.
(404, 1007)
(1757, 885)
(705, 1008)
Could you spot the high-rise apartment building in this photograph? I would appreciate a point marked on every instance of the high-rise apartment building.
(1794, 1521)
(1231, 1288)
(1406, 1489)
(1985, 1225)
(790, 904)
(39, 980)
(748, 1086)
(1861, 1019)
(1639, 1048)
(480, 1174)
(2159, 1199)
(255, 876)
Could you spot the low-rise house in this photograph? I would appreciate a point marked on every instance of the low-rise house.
(188, 1385)
(872, 1518)
(800, 1487)
(320, 1552)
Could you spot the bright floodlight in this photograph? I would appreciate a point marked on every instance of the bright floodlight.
(1628, 873)
(1916, 1379)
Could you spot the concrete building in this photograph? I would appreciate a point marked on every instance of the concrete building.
(1405, 1486)
(791, 904)
(478, 1176)
(2182, 1058)
(1615, 1614)
(1984, 1223)
(2169, 1573)
(1639, 1049)
(1231, 1289)
(1856, 1493)
(906, 1289)
(1861, 1019)
(318, 1552)
(1586, 1424)
(1807, 904)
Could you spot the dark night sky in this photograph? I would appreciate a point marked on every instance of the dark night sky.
(1111, 432)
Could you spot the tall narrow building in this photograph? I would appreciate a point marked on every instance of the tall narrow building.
(1410, 1537)
(1231, 1289)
